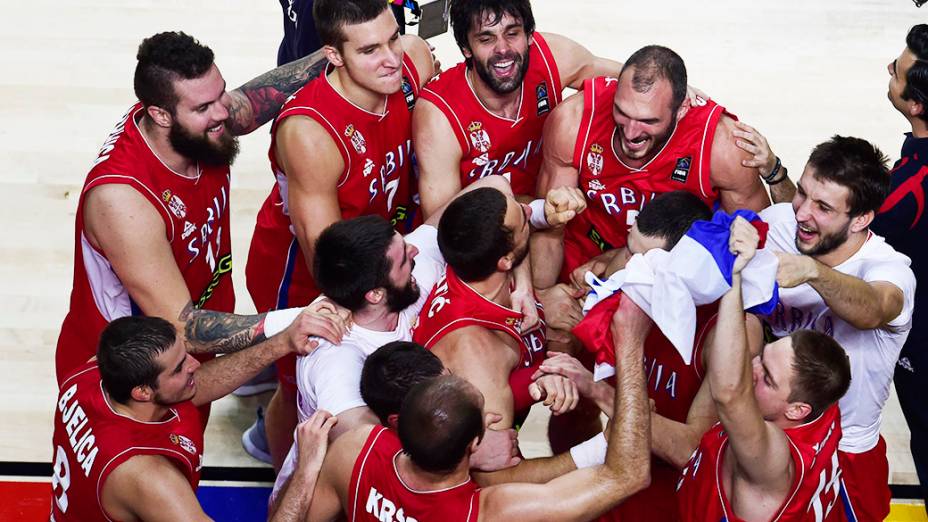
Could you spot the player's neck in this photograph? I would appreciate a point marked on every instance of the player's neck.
(157, 139)
(919, 127)
(358, 95)
(502, 105)
(420, 480)
(140, 411)
(845, 251)
(495, 288)
(378, 318)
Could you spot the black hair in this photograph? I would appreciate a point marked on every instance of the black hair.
(670, 215)
(438, 421)
(163, 59)
(391, 371)
(126, 354)
(856, 164)
(331, 17)
(472, 234)
(654, 62)
(351, 259)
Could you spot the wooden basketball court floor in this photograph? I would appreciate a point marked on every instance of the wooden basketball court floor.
(799, 71)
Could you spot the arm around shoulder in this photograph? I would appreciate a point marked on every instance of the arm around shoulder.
(739, 186)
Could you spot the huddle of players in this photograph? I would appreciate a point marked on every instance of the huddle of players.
(128, 437)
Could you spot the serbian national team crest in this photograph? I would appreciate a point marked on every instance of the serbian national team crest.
(594, 159)
(357, 139)
(682, 169)
(541, 99)
(185, 443)
(368, 167)
(595, 185)
(479, 137)
(177, 207)
(408, 94)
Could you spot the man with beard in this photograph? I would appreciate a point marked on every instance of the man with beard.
(152, 225)
(624, 140)
(838, 277)
(339, 149)
(128, 435)
(902, 221)
(469, 321)
(485, 115)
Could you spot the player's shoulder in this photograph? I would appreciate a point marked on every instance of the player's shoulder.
(420, 54)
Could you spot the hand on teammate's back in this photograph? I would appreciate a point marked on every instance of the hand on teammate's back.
(754, 143)
(320, 319)
(312, 439)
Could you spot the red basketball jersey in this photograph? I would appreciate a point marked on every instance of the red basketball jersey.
(491, 144)
(376, 491)
(453, 304)
(195, 212)
(91, 440)
(376, 150)
(615, 192)
(673, 385)
(812, 498)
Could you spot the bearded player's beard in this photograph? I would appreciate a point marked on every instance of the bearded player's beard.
(503, 86)
(201, 149)
(400, 298)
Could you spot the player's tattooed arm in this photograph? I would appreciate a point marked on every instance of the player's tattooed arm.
(258, 101)
(208, 331)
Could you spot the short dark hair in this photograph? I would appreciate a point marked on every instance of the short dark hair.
(472, 234)
(351, 259)
(671, 214)
(856, 164)
(438, 420)
(466, 13)
(391, 371)
(127, 351)
(331, 17)
(163, 59)
(654, 62)
(916, 79)
(822, 371)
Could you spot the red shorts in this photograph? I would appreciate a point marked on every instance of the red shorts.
(865, 484)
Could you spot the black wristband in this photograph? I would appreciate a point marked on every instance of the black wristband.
(773, 172)
(781, 180)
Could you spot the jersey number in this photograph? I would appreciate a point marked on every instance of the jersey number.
(61, 476)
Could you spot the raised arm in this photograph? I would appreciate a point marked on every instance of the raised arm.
(258, 101)
(761, 449)
(739, 186)
(576, 63)
(557, 170)
(588, 492)
(297, 493)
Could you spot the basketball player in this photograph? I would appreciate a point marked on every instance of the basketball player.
(902, 222)
(624, 140)
(468, 320)
(838, 277)
(152, 225)
(420, 471)
(339, 149)
(128, 436)
(774, 454)
(485, 115)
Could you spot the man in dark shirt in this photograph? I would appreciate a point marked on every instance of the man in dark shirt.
(902, 221)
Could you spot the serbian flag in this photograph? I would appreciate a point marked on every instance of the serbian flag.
(668, 286)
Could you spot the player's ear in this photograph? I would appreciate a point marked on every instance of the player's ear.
(861, 222)
(505, 263)
(798, 411)
(393, 421)
(142, 393)
(376, 295)
(684, 108)
(162, 117)
(333, 55)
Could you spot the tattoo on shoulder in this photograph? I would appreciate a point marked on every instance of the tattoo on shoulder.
(218, 332)
(264, 95)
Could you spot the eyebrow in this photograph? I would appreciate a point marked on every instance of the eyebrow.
(804, 192)
(773, 383)
(648, 121)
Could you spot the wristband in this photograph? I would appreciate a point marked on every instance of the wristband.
(591, 452)
(781, 180)
(538, 219)
(278, 321)
(773, 172)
